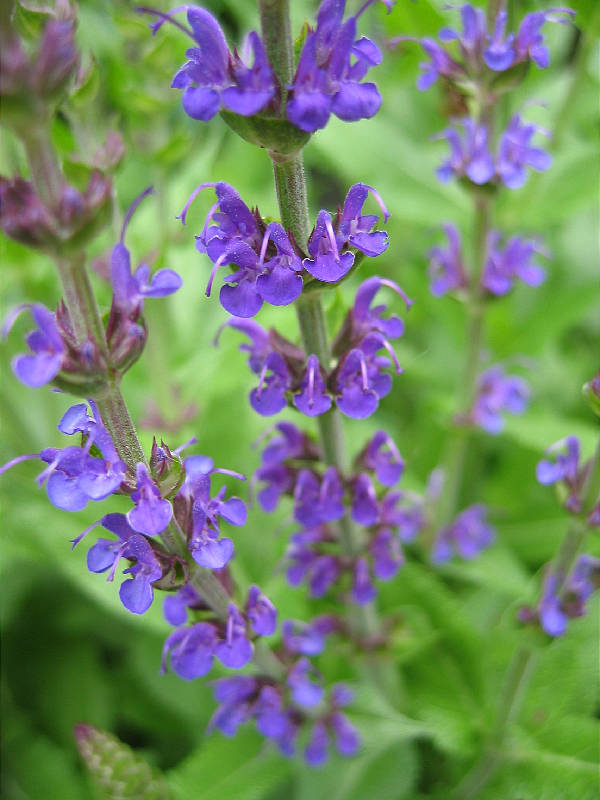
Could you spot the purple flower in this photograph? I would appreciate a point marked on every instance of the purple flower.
(272, 720)
(497, 392)
(191, 650)
(499, 53)
(564, 467)
(469, 154)
(468, 535)
(383, 457)
(317, 749)
(229, 222)
(261, 612)
(306, 562)
(279, 283)
(279, 480)
(327, 81)
(213, 77)
(503, 267)
(563, 600)
(408, 519)
(304, 691)
(48, 351)
(176, 605)
(291, 444)
(515, 153)
(312, 399)
(367, 319)
(363, 591)
(357, 229)
(259, 345)
(386, 553)
(347, 740)
(136, 593)
(446, 268)
(151, 514)
(236, 650)
(305, 638)
(360, 379)
(365, 509)
(326, 262)
(529, 42)
(318, 501)
(236, 695)
(269, 397)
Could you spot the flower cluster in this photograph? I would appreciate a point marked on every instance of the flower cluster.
(471, 156)
(268, 265)
(467, 535)
(503, 266)
(480, 54)
(328, 78)
(497, 392)
(356, 382)
(565, 470)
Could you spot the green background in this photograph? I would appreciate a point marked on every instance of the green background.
(71, 653)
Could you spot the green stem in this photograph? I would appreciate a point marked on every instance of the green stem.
(516, 682)
(44, 166)
(80, 300)
(277, 34)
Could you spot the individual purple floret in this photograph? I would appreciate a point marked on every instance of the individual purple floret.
(74, 476)
(479, 50)
(498, 392)
(306, 562)
(326, 262)
(365, 508)
(470, 154)
(261, 612)
(270, 396)
(361, 382)
(136, 593)
(363, 590)
(236, 649)
(175, 607)
(516, 260)
(356, 228)
(515, 153)
(48, 351)
(214, 78)
(564, 468)
(404, 512)
(446, 268)
(318, 500)
(383, 457)
(308, 639)
(313, 399)
(151, 514)
(468, 535)
(191, 650)
(305, 692)
(327, 80)
(386, 553)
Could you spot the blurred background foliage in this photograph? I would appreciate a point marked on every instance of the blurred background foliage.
(72, 654)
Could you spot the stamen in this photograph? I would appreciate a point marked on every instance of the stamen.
(380, 203)
(311, 385)
(18, 460)
(363, 369)
(390, 350)
(165, 18)
(191, 199)
(48, 471)
(12, 318)
(263, 372)
(332, 239)
(132, 208)
(395, 288)
(75, 542)
(213, 272)
(118, 557)
(181, 447)
(231, 472)
(263, 247)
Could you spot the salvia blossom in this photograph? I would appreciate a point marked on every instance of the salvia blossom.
(498, 392)
(515, 261)
(468, 535)
(383, 457)
(151, 513)
(562, 599)
(215, 78)
(48, 350)
(479, 51)
(564, 469)
(308, 638)
(331, 67)
(261, 612)
(446, 268)
(471, 157)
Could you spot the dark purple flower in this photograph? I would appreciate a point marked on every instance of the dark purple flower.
(564, 467)
(446, 268)
(468, 535)
(365, 509)
(408, 518)
(326, 80)
(279, 480)
(356, 229)
(323, 573)
(469, 153)
(228, 222)
(279, 283)
(259, 346)
(236, 649)
(386, 553)
(347, 739)
(235, 694)
(292, 443)
(136, 593)
(363, 591)
(151, 514)
(48, 351)
(503, 267)
(312, 399)
(563, 600)
(361, 381)
(368, 319)
(383, 457)
(269, 397)
(316, 751)
(191, 650)
(529, 42)
(326, 262)
(318, 501)
(304, 691)
(499, 53)
(305, 638)
(175, 607)
(213, 77)
(261, 612)
(498, 392)
(515, 153)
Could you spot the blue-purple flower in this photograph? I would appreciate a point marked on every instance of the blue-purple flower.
(383, 457)
(48, 350)
(470, 154)
(446, 268)
(260, 612)
(564, 468)
(330, 71)
(468, 535)
(498, 392)
(213, 77)
(515, 153)
(515, 261)
(151, 513)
